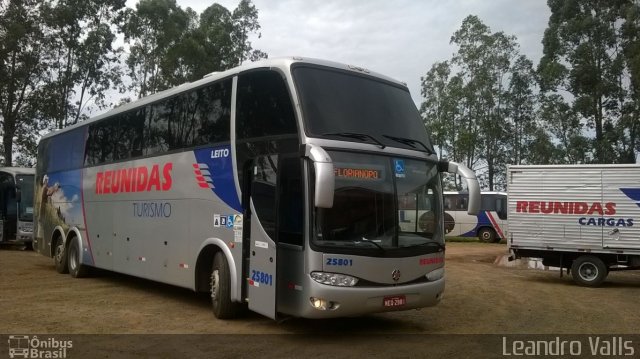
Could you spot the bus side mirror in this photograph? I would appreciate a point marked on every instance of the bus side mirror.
(325, 177)
(472, 183)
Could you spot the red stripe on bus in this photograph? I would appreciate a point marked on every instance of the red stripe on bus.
(84, 216)
(494, 223)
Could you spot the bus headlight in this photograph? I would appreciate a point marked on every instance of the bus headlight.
(435, 274)
(26, 228)
(339, 280)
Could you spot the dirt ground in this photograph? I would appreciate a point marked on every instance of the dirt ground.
(480, 298)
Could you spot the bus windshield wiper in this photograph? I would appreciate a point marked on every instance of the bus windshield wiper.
(366, 240)
(430, 243)
(358, 136)
(410, 142)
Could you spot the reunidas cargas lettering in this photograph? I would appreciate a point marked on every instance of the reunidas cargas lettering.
(579, 208)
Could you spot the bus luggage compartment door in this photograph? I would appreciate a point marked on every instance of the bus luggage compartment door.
(262, 269)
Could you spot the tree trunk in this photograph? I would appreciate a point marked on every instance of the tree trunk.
(7, 139)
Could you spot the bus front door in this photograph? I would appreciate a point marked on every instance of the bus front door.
(261, 276)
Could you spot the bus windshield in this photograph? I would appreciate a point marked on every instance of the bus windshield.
(365, 212)
(346, 106)
(25, 212)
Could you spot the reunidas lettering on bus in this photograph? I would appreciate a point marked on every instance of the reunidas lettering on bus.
(606, 212)
(135, 179)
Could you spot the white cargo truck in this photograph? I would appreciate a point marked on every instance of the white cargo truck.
(582, 218)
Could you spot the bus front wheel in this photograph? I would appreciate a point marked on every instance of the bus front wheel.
(223, 307)
(60, 257)
(487, 235)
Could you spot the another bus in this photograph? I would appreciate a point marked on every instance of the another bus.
(16, 205)
(489, 225)
(274, 185)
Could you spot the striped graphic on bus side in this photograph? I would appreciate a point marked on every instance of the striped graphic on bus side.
(494, 223)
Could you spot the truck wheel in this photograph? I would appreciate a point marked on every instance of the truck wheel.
(589, 271)
(60, 257)
(76, 268)
(223, 307)
(487, 235)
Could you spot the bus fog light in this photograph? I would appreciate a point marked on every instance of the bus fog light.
(435, 274)
(339, 280)
(322, 304)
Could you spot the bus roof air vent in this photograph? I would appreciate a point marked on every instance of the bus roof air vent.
(210, 74)
(358, 68)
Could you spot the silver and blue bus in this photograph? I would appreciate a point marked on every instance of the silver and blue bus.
(16, 205)
(274, 185)
(489, 225)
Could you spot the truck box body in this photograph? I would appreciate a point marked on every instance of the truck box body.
(574, 208)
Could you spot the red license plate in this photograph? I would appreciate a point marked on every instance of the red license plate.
(396, 301)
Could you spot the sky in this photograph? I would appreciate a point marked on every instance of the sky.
(401, 38)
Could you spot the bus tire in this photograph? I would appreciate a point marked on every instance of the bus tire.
(60, 256)
(76, 268)
(223, 307)
(487, 235)
(589, 271)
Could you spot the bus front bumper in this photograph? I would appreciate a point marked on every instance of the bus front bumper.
(354, 301)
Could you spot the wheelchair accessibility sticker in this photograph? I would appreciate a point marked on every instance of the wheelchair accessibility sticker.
(398, 166)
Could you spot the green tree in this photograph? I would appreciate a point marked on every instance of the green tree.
(169, 45)
(582, 55)
(480, 106)
(529, 142)
(152, 30)
(442, 94)
(21, 71)
(81, 61)
(437, 109)
(245, 22)
(567, 128)
(484, 59)
(629, 124)
(216, 27)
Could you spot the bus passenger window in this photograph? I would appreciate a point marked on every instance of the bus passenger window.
(128, 135)
(100, 145)
(212, 119)
(463, 203)
(501, 207)
(449, 203)
(156, 128)
(264, 107)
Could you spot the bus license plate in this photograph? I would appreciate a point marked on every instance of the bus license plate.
(396, 301)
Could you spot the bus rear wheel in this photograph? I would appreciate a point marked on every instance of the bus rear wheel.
(589, 271)
(76, 268)
(487, 235)
(60, 257)
(223, 307)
